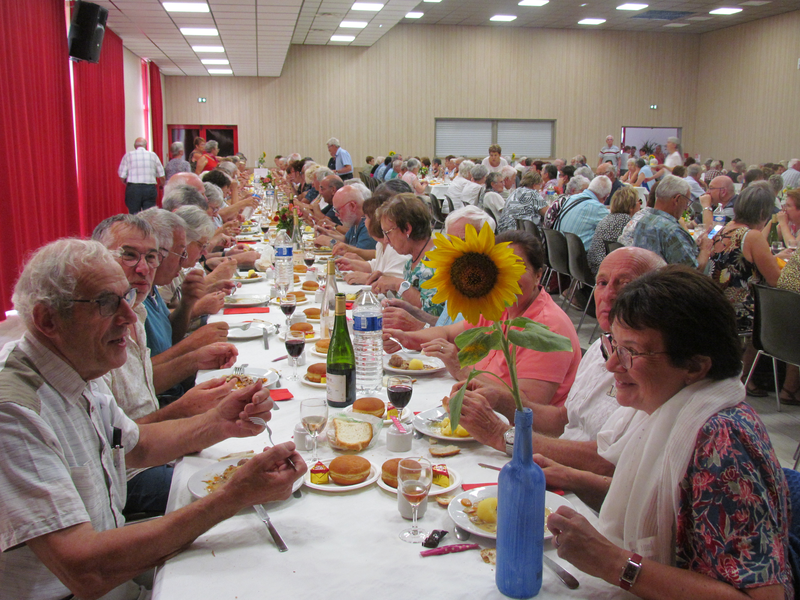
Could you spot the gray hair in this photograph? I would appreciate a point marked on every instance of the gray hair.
(412, 163)
(671, 186)
(164, 224)
(508, 172)
(465, 168)
(333, 142)
(102, 233)
(577, 184)
(495, 176)
(228, 168)
(776, 181)
(198, 224)
(585, 171)
(397, 163)
(472, 214)
(631, 161)
(211, 144)
(479, 172)
(51, 275)
(694, 170)
(601, 186)
(360, 187)
(184, 195)
(755, 204)
(213, 194)
(716, 165)
(322, 173)
(175, 148)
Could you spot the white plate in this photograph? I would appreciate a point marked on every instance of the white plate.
(248, 238)
(244, 301)
(428, 360)
(460, 518)
(302, 303)
(320, 354)
(249, 279)
(330, 431)
(282, 337)
(421, 424)
(197, 485)
(313, 384)
(270, 374)
(455, 481)
(374, 475)
(255, 330)
(405, 417)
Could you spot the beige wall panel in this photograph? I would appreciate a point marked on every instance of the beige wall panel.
(388, 96)
(749, 94)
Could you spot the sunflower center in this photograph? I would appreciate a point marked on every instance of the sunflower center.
(473, 274)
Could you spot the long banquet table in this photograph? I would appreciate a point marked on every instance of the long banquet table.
(340, 544)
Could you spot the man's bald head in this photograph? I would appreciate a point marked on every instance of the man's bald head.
(616, 271)
(185, 179)
(329, 186)
(140, 143)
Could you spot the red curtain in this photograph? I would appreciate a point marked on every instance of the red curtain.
(157, 117)
(41, 203)
(100, 133)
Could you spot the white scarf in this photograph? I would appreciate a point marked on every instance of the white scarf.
(641, 508)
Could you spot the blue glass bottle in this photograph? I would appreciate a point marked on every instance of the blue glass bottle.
(520, 516)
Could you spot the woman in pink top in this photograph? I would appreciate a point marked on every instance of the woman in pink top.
(410, 176)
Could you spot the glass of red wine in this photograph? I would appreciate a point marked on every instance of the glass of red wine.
(399, 389)
(295, 344)
(309, 259)
(288, 304)
(414, 478)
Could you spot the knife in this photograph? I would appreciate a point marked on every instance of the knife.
(262, 514)
(266, 338)
(485, 466)
(563, 575)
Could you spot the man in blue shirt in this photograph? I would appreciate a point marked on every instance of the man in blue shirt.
(581, 213)
(343, 164)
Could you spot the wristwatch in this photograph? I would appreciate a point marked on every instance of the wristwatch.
(630, 572)
(404, 287)
(508, 436)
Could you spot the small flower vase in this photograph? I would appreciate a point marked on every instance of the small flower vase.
(520, 516)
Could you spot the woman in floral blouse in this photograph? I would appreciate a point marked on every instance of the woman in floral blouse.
(698, 505)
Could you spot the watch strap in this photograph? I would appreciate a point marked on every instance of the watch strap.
(630, 572)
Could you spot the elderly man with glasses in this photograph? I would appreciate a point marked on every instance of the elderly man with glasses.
(66, 443)
(720, 193)
(661, 231)
(347, 205)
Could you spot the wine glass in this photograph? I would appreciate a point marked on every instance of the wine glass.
(295, 344)
(322, 273)
(399, 389)
(414, 478)
(314, 415)
(309, 259)
(777, 247)
(288, 304)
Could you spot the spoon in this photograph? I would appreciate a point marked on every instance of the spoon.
(461, 534)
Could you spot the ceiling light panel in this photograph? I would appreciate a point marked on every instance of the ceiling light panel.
(213, 49)
(220, 71)
(591, 22)
(632, 6)
(414, 15)
(367, 6)
(342, 38)
(533, 2)
(725, 11)
(503, 18)
(215, 61)
(353, 24)
(200, 31)
(186, 7)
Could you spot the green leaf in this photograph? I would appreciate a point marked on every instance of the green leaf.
(536, 336)
(476, 343)
(457, 400)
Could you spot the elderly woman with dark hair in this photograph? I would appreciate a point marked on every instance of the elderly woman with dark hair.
(406, 224)
(698, 504)
(544, 377)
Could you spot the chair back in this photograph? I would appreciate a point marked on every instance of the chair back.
(557, 252)
(530, 227)
(578, 262)
(776, 327)
(492, 214)
(436, 210)
(611, 246)
(449, 203)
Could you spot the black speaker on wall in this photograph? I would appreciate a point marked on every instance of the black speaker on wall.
(86, 31)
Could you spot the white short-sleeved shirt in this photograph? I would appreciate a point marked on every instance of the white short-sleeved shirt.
(503, 163)
(388, 261)
(59, 468)
(592, 398)
(140, 166)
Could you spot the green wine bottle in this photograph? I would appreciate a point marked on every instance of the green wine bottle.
(341, 364)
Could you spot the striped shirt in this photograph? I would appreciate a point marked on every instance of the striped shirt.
(140, 166)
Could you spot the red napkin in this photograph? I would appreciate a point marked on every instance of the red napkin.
(471, 486)
(245, 311)
(279, 395)
(348, 304)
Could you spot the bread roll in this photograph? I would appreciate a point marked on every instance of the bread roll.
(306, 328)
(351, 435)
(349, 470)
(312, 313)
(299, 296)
(389, 472)
(316, 372)
(370, 406)
(310, 286)
(300, 269)
(322, 345)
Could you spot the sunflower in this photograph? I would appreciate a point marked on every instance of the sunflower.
(475, 276)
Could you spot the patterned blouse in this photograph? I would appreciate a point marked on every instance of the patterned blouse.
(733, 522)
(417, 276)
(608, 230)
(525, 204)
(734, 272)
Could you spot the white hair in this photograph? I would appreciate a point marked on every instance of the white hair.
(577, 184)
(102, 232)
(164, 224)
(585, 171)
(465, 168)
(184, 195)
(214, 194)
(228, 168)
(472, 214)
(479, 172)
(601, 186)
(412, 163)
(175, 148)
(360, 188)
(322, 173)
(51, 275)
(333, 142)
(508, 172)
(198, 224)
(211, 144)
(671, 186)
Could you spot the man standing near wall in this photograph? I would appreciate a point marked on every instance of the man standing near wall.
(142, 172)
(609, 153)
(343, 164)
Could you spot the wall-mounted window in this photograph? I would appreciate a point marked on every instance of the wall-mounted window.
(472, 137)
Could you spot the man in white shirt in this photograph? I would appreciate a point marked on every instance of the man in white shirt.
(791, 176)
(494, 162)
(609, 153)
(66, 443)
(456, 189)
(142, 173)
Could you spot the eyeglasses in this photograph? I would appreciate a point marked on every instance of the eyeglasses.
(164, 253)
(625, 355)
(386, 232)
(108, 302)
(338, 211)
(131, 257)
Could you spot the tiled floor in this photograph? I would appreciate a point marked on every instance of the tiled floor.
(783, 426)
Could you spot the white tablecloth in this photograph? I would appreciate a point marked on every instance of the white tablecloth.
(340, 544)
(439, 190)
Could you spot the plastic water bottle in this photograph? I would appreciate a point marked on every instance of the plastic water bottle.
(719, 216)
(284, 268)
(368, 342)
